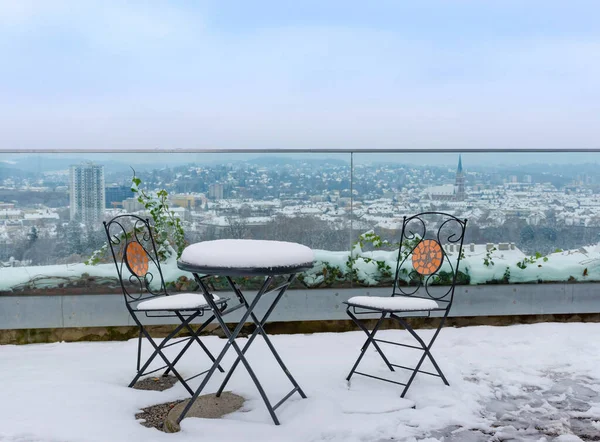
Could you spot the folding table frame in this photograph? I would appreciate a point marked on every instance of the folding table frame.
(428, 271)
(270, 275)
(134, 252)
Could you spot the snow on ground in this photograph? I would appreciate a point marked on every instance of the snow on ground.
(526, 382)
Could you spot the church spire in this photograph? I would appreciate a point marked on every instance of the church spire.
(459, 186)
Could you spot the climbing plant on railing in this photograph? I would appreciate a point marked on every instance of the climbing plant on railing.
(487, 260)
(166, 226)
(531, 260)
(384, 271)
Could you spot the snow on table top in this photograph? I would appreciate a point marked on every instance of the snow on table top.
(180, 301)
(246, 253)
(396, 303)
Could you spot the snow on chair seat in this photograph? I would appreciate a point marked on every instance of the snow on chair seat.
(393, 304)
(181, 301)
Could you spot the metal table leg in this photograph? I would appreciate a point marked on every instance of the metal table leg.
(260, 330)
(231, 336)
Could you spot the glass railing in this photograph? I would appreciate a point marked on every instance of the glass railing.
(532, 217)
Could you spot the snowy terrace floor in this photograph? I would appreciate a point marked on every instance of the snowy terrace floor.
(527, 382)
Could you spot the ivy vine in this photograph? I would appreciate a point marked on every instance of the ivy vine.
(166, 227)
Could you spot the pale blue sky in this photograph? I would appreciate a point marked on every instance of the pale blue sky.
(299, 74)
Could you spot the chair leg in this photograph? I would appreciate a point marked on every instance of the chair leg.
(194, 336)
(366, 330)
(181, 353)
(369, 341)
(158, 352)
(426, 351)
(139, 351)
(163, 344)
(166, 360)
(424, 347)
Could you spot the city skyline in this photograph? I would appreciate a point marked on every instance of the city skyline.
(530, 209)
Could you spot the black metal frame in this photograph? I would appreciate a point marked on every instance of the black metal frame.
(265, 289)
(122, 231)
(451, 230)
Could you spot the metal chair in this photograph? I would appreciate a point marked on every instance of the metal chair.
(426, 274)
(137, 260)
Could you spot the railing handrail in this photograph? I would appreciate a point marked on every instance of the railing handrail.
(306, 150)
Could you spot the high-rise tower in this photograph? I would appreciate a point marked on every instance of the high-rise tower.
(459, 185)
(87, 197)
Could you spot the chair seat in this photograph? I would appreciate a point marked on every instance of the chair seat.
(180, 301)
(392, 303)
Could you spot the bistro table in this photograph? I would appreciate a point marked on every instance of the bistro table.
(240, 257)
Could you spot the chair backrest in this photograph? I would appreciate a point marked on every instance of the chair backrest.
(134, 253)
(431, 247)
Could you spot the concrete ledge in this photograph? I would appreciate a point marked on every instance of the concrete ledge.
(95, 310)
(77, 334)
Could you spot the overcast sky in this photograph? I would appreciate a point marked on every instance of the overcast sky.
(299, 74)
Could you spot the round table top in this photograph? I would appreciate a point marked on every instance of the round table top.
(246, 257)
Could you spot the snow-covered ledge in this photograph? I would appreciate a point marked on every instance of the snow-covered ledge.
(482, 264)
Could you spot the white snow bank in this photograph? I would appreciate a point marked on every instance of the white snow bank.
(368, 267)
(41, 276)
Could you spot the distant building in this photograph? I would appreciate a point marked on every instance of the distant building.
(449, 192)
(87, 196)
(11, 214)
(116, 194)
(131, 205)
(446, 192)
(215, 191)
(188, 201)
(459, 184)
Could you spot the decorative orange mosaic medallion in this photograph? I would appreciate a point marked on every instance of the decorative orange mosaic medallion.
(136, 258)
(427, 257)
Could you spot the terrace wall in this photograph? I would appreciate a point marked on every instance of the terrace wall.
(35, 318)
